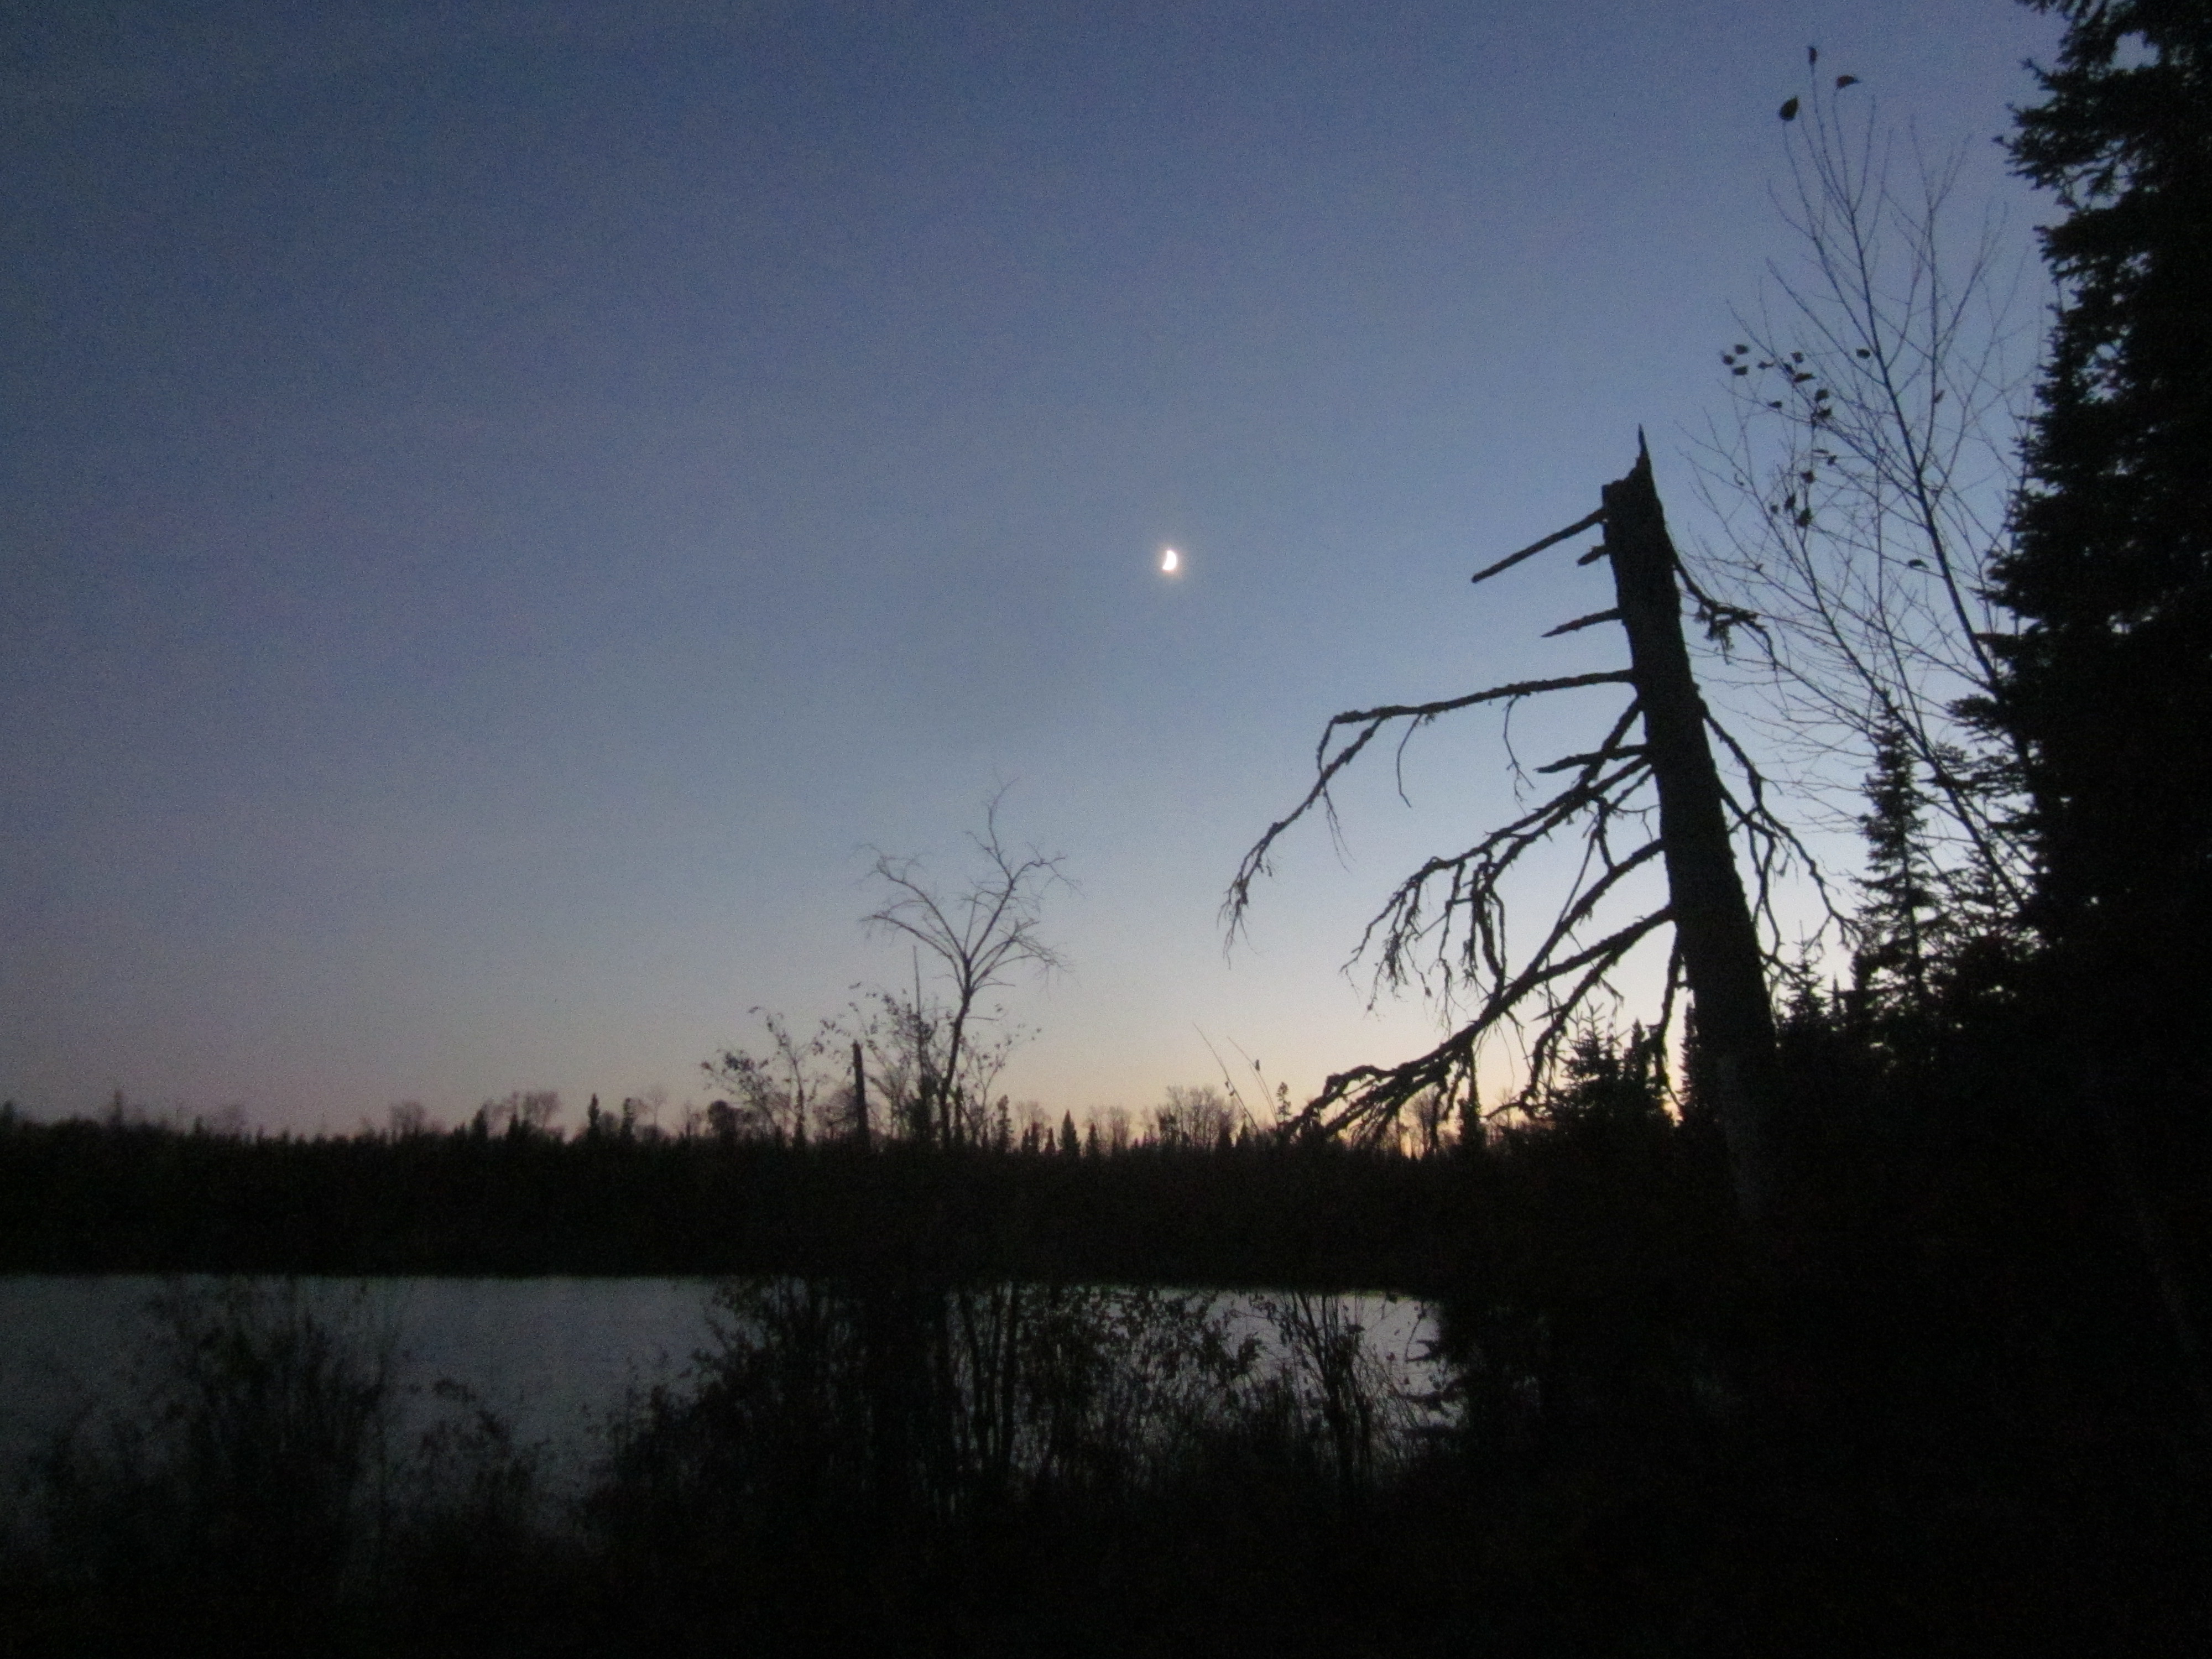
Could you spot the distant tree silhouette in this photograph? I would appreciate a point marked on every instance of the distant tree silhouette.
(1894, 927)
(520, 1114)
(1198, 1117)
(978, 938)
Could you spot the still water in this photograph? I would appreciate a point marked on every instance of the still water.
(556, 1358)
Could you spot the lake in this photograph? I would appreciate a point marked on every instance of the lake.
(553, 1357)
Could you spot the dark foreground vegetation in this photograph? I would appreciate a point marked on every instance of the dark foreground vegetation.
(1944, 1414)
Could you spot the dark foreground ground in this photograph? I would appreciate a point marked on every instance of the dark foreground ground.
(993, 1469)
(1939, 1413)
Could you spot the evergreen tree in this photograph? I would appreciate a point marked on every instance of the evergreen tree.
(1606, 1082)
(1890, 968)
(2109, 683)
(2108, 687)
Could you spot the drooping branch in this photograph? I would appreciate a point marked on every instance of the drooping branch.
(1474, 878)
(1366, 1093)
(1371, 722)
(1774, 844)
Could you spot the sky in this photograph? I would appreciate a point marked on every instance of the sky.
(506, 509)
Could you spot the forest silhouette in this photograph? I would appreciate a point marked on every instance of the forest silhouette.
(1866, 1316)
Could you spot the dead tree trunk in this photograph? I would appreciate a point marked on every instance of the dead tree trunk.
(1719, 945)
(859, 1097)
(1451, 911)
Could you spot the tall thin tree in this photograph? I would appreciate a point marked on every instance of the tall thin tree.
(2108, 688)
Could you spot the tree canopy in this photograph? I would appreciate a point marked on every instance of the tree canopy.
(2109, 683)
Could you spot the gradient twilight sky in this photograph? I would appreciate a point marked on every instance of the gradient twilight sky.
(501, 505)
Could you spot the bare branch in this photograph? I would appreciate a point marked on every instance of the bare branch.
(1865, 480)
(1534, 548)
(1373, 720)
(1581, 623)
(1568, 762)
(1367, 1091)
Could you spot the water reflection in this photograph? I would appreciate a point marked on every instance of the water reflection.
(559, 1361)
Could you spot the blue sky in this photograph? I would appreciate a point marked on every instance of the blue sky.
(502, 506)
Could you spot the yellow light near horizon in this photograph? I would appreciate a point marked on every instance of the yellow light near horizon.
(1170, 561)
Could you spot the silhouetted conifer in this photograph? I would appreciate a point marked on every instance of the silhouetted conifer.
(2111, 683)
(2109, 686)
(1890, 966)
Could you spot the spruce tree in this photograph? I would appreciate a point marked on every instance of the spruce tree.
(2107, 688)
(2109, 685)
(1899, 922)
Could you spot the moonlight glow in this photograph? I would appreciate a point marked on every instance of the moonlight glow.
(1170, 561)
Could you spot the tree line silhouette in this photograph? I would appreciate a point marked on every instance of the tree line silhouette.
(623, 1197)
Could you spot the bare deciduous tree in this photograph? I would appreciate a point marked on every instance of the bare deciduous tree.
(524, 1112)
(979, 939)
(925, 1062)
(1201, 1117)
(1865, 478)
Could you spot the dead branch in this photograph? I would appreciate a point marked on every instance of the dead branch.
(1367, 1091)
(1373, 720)
(1581, 623)
(1448, 919)
(1534, 548)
